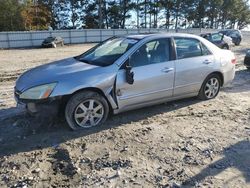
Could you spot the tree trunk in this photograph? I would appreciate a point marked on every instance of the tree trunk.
(150, 14)
(137, 14)
(176, 18)
(167, 18)
(100, 14)
(145, 13)
(106, 14)
(124, 13)
(156, 14)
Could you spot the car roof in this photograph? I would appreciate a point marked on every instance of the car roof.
(230, 30)
(210, 33)
(211, 46)
(163, 34)
(54, 37)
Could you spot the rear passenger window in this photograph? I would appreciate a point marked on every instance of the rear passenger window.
(187, 47)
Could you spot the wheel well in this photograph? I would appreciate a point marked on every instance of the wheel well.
(225, 45)
(220, 75)
(66, 98)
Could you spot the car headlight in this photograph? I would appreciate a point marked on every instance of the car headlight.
(38, 92)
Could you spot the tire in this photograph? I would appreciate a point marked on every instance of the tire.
(205, 91)
(237, 43)
(80, 114)
(225, 47)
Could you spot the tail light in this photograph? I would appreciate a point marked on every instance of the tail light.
(233, 61)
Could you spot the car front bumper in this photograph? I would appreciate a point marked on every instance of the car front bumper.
(48, 106)
(47, 45)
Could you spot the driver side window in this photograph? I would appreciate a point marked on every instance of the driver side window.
(156, 51)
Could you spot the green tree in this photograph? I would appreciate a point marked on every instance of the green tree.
(36, 15)
(10, 15)
(244, 16)
(213, 10)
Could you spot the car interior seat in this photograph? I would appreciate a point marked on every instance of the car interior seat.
(140, 57)
(160, 54)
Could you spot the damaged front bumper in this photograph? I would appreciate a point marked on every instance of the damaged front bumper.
(48, 106)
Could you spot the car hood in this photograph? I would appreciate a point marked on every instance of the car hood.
(49, 73)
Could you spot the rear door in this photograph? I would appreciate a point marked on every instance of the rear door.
(153, 75)
(194, 62)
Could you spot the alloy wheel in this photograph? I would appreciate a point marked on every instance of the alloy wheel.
(89, 113)
(212, 88)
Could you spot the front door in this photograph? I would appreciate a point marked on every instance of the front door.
(153, 76)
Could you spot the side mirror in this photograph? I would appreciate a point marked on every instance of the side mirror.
(129, 73)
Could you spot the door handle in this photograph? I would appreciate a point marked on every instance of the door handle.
(166, 69)
(207, 62)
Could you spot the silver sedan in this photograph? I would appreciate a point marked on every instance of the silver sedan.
(125, 73)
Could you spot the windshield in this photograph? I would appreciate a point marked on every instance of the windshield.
(107, 52)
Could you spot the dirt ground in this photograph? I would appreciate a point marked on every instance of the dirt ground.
(186, 143)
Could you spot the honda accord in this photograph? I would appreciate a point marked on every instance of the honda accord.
(125, 73)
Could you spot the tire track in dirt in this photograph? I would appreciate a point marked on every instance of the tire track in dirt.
(11, 76)
(7, 95)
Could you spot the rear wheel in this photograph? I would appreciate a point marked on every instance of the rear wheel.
(210, 87)
(86, 109)
(237, 43)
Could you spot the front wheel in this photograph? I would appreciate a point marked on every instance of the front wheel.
(86, 109)
(226, 47)
(210, 87)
